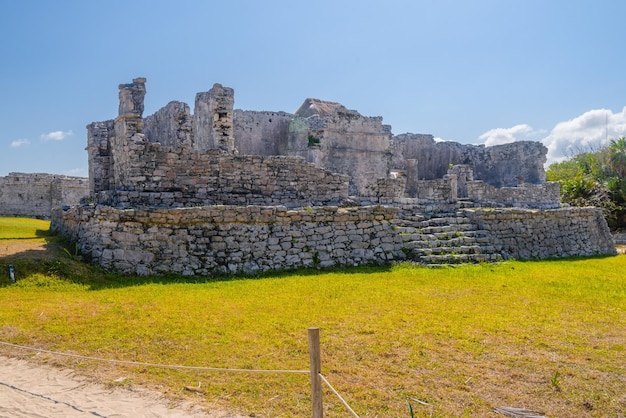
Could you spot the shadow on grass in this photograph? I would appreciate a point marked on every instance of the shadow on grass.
(40, 233)
(60, 260)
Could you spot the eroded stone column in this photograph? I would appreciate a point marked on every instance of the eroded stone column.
(131, 97)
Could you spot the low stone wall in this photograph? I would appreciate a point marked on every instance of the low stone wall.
(35, 194)
(538, 234)
(229, 239)
(541, 196)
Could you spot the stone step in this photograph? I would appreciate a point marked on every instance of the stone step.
(432, 241)
(459, 259)
(445, 239)
(449, 220)
(447, 228)
(464, 249)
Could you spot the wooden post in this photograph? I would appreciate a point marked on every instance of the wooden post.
(316, 368)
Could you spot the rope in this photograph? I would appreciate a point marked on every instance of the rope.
(338, 395)
(165, 366)
(168, 366)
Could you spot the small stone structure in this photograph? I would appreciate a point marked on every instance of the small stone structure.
(226, 191)
(34, 195)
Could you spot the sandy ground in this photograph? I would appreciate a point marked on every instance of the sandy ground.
(33, 390)
(29, 390)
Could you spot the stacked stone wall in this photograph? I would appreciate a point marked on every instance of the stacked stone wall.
(230, 239)
(99, 138)
(345, 142)
(499, 165)
(261, 133)
(156, 175)
(545, 195)
(538, 234)
(444, 189)
(34, 195)
(170, 125)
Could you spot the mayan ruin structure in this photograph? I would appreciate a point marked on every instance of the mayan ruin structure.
(225, 191)
(35, 194)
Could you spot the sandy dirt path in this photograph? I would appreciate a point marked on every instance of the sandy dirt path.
(29, 390)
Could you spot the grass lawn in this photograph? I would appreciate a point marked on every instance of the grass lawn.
(545, 335)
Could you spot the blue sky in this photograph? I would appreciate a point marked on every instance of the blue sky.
(480, 71)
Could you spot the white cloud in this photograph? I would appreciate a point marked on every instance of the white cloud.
(587, 132)
(500, 136)
(56, 135)
(19, 142)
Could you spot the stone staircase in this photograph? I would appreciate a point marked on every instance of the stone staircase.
(447, 238)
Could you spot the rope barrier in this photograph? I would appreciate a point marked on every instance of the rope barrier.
(168, 366)
(165, 366)
(338, 395)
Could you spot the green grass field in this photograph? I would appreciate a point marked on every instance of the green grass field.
(546, 335)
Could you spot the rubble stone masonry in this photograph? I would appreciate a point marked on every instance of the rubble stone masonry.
(34, 195)
(538, 234)
(230, 239)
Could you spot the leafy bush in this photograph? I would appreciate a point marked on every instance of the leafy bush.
(595, 179)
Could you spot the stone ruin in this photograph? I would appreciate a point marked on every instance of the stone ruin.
(224, 191)
(34, 195)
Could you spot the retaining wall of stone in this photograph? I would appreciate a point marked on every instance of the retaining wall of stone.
(538, 234)
(230, 239)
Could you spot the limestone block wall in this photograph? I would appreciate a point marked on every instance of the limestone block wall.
(99, 138)
(507, 165)
(213, 119)
(433, 158)
(34, 195)
(230, 239)
(156, 175)
(538, 234)
(444, 189)
(344, 142)
(499, 165)
(546, 195)
(261, 133)
(387, 188)
(170, 126)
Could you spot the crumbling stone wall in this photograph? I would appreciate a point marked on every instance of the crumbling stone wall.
(500, 165)
(170, 126)
(343, 141)
(168, 177)
(230, 239)
(100, 137)
(213, 120)
(323, 133)
(261, 133)
(34, 195)
(508, 165)
(545, 196)
(538, 234)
